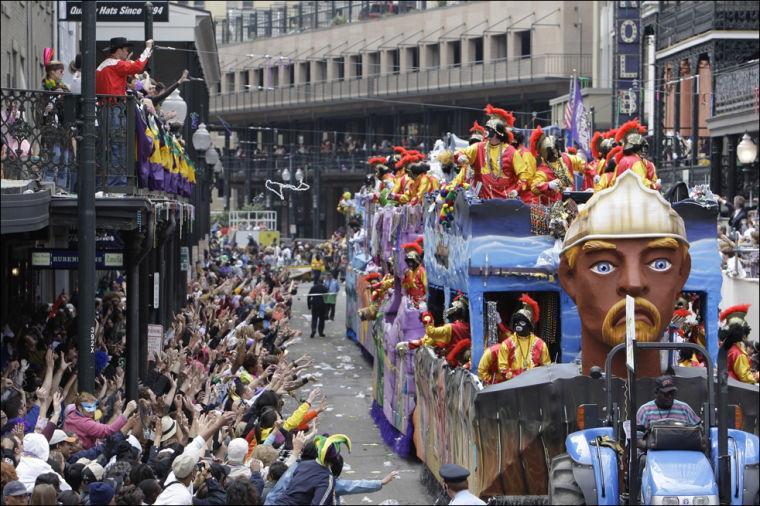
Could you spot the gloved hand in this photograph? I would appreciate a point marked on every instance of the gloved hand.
(597, 178)
(427, 318)
(554, 185)
(462, 159)
(402, 347)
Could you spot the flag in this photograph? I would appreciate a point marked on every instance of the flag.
(579, 128)
(568, 119)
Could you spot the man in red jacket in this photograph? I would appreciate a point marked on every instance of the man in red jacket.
(111, 79)
(111, 75)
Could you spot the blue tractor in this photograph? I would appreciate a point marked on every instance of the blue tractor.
(711, 463)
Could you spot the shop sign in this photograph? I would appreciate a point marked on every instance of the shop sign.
(69, 259)
(117, 11)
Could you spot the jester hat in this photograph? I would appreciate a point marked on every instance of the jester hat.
(328, 446)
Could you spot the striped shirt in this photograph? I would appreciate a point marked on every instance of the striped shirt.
(680, 411)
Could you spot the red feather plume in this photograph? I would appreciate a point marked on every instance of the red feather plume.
(614, 152)
(507, 116)
(572, 150)
(420, 240)
(458, 348)
(526, 299)
(477, 128)
(376, 159)
(596, 141)
(683, 312)
(743, 308)
(629, 127)
(399, 149)
(412, 246)
(610, 134)
(534, 138)
(371, 276)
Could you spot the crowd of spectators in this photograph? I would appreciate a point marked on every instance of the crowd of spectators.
(738, 238)
(214, 421)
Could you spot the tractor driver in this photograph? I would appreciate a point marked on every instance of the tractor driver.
(664, 406)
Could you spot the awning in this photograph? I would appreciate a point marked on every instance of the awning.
(119, 213)
(25, 208)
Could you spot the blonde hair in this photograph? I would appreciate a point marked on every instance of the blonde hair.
(266, 454)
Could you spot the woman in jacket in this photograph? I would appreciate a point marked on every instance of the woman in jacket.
(80, 419)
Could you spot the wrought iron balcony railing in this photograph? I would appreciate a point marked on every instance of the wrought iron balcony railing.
(737, 90)
(39, 132)
(681, 20)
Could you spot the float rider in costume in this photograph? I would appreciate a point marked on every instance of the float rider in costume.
(734, 331)
(446, 338)
(552, 176)
(578, 165)
(523, 350)
(626, 240)
(414, 281)
(601, 145)
(378, 286)
(422, 184)
(487, 158)
(477, 133)
(630, 135)
(399, 161)
(384, 179)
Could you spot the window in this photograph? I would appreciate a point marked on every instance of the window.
(260, 77)
(341, 64)
(395, 61)
(523, 41)
(433, 55)
(499, 47)
(455, 53)
(476, 49)
(230, 88)
(246, 80)
(275, 77)
(373, 63)
(321, 68)
(357, 61)
(291, 75)
(199, 3)
(413, 58)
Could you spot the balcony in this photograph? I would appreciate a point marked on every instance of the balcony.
(679, 21)
(737, 90)
(39, 131)
(491, 74)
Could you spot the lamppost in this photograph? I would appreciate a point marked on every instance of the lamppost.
(286, 178)
(176, 104)
(746, 152)
(202, 142)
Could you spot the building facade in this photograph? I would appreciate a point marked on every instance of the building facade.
(701, 93)
(326, 97)
(26, 29)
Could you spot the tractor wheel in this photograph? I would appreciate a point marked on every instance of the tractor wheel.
(563, 488)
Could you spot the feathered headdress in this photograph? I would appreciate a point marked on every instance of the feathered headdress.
(610, 134)
(496, 112)
(47, 55)
(372, 276)
(375, 160)
(412, 246)
(738, 311)
(410, 156)
(629, 127)
(531, 305)
(596, 144)
(615, 153)
(458, 348)
(400, 150)
(572, 150)
(421, 241)
(535, 140)
(681, 313)
(325, 445)
(477, 128)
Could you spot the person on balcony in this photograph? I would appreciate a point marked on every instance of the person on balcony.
(111, 74)
(55, 141)
(523, 350)
(552, 176)
(53, 80)
(630, 135)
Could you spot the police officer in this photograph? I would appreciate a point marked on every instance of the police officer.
(454, 479)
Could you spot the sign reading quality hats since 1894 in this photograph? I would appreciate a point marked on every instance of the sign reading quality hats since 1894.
(117, 11)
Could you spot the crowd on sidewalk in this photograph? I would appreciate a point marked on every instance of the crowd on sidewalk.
(225, 414)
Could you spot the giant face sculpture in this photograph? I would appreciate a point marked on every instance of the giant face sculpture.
(627, 240)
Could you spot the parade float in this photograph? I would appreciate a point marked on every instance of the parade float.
(493, 251)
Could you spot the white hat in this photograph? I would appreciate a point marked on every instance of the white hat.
(97, 470)
(168, 427)
(184, 465)
(60, 436)
(236, 450)
(131, 439)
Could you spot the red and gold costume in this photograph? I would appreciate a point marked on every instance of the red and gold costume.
(402, 180)
(691, 362)
(451, 340)
(421, 182)
(378, 286)
(552, 167)
(629, 135)
(488, 367)
(499, 167)
(733, 332)
(414, 281)
(519, 353)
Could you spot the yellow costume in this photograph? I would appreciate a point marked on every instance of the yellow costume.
(419, 187)
(317, 264)
(493, 162)
(518, 354)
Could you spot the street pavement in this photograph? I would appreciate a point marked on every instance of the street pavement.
(345, 377)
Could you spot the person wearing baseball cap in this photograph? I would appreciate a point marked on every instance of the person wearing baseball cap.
(664, 406)
(64, 443)
(454, 479)
(14, 492)
(178, 491)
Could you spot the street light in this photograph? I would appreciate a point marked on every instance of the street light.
(299, 175)
(286, 174)
(746, 151)
(201, 139)
(174, 103)
(218, 167)
(212, 156)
